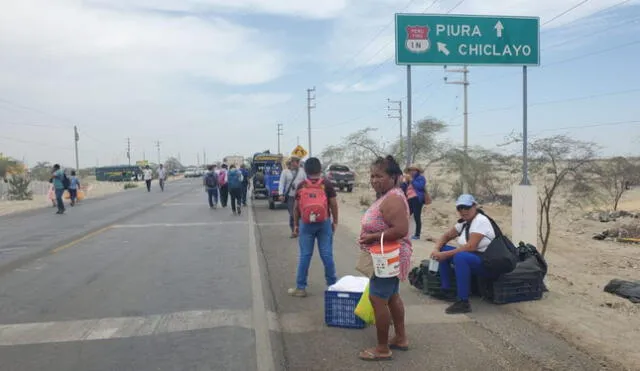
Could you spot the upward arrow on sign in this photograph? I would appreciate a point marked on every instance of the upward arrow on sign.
(499, 28)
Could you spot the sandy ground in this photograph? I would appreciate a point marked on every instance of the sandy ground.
(576, 308)
(93, 189)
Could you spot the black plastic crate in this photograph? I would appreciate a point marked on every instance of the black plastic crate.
(433, 283)
(513, 289)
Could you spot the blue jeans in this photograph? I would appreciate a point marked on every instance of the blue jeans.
(59, 193)
(245, 189)
(309, 233)
(291, 202)
(213, 196)
(466, 264)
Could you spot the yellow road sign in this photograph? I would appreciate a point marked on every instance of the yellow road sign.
(300, 152)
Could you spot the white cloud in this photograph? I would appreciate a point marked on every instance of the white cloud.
(363, 86)
(257, 100)
(120, 73)
(300, 8)
(64, 31)
(357, 27)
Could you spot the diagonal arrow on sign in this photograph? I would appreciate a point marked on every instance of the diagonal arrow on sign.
(442, 48)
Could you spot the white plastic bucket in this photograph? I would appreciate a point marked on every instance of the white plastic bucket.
(386, 264)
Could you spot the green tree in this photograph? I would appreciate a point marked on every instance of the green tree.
(19, 188)
(7, 166)
(41, 171)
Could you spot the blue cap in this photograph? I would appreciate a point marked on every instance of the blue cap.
(465, 200)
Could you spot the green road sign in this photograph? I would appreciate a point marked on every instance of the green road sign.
(466, 39)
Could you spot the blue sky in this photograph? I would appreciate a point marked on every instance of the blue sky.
(219, 75)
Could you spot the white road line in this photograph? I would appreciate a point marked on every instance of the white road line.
(184, 204)
(260, 320)
(120, 327)
(264, 354)
(270, 224)
(177, 225)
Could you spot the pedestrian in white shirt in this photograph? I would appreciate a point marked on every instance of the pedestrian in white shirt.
(162, 176)
(148, 176)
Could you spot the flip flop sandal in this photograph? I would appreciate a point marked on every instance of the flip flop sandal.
(398, 347)
(367, 355)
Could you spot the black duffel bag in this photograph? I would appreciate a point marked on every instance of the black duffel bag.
(500, 257)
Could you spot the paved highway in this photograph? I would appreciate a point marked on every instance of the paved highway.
(158, 281)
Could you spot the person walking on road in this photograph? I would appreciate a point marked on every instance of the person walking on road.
(74, 185)
(211, 186)
(162, 176)
(235, 180)
(223, 186)
(148, 176)
(315, 219)
(245, 183)
(58, 180)
(290, 179)
(387, 218)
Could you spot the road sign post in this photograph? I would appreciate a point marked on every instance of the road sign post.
(299, 152)
(442, 39)
(426, 39)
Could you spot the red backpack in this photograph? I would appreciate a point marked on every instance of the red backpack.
(222, 178)
(312, 202)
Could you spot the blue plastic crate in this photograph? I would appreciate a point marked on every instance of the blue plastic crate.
(339, 307)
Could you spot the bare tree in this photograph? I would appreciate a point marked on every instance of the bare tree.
(614, 176)
(361, 141)
(425, 146)
(480, 176)
(172, 164)
(332, 153)
(557, 159)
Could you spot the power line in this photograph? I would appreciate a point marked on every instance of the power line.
(572, 99)
(380, 65)
(566, 12)
(594, 125)
(36, 143)
(375, 37)
(27, 108)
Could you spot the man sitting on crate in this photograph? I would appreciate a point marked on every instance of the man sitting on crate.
(474, 232)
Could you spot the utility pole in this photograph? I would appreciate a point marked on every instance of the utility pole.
(158, 147)
(204, 157)
(76, 138)
(280, 133)
(398, 115)
(129, 150)
(465, 82)
(309, 108)
(409, 116)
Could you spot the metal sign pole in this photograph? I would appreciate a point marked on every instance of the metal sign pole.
(525, 141)
(409, 118)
